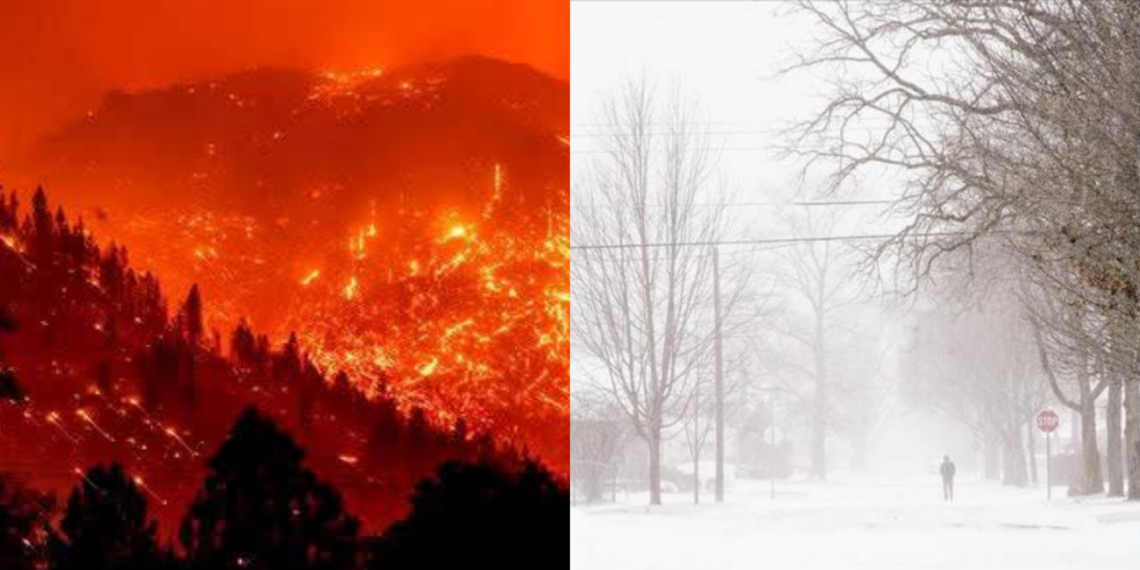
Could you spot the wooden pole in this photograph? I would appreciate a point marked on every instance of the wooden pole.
(719, 379)
(1048, 466)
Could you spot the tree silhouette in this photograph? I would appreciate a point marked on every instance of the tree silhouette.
(243, 345)
(192, 310)
(7, 320)
(42, 230)
(23, 518)
(106, 526)
(10, 388)
(479, 515)
(260, 508)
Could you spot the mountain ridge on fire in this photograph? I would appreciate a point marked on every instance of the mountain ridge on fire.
(410, 225)
(96, 368)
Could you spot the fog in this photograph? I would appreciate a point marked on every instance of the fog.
(728, 60)
(816, 284)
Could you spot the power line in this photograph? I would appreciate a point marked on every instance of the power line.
(776, 130)
(809, 204)
(703, 149)
(678, 1)
(738, 121)
(753, 250)
(769, 123)
(774, 241)
(601, 134)
(776, 145)
(801, 203)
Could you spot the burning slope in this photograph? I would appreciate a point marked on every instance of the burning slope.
(410, 225)
(92, 369)
(461, 315)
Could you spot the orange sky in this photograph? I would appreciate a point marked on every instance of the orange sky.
(59, 57)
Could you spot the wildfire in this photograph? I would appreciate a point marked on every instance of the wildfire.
(477, 325)
(456, 232)
(463, 312)
(350, 289)
(310, 277)
(342, 84)
(348, 93)
(173, 434)
(142, 485)
(86, 417)
(429, 368)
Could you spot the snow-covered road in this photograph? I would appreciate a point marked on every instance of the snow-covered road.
(860, 524)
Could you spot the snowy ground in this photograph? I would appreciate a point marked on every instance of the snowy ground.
(859, 524)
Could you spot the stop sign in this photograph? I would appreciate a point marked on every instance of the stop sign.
(1047, 421)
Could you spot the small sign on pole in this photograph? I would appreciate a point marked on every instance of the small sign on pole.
(1047, 422)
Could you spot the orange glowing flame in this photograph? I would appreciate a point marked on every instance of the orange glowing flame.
(350, 289)
(310, 277)
(429, 368)
(456, 232)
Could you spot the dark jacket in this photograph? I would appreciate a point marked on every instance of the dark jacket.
(948, 470)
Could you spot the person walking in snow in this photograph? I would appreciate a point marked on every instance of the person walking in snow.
(947, 468)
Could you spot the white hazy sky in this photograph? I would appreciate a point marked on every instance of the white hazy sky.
(726, 54)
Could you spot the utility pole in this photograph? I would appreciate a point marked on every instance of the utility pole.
(772, 444)
(719, 378)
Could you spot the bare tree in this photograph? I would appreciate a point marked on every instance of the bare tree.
(816, 277)
(1014, 122)
(697, 428)
(1061, 330)
(596, 440)
(978, 365)
(638, 285)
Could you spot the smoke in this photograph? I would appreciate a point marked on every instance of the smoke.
(58, 58)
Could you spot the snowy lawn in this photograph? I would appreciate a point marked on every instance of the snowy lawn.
(859, 524)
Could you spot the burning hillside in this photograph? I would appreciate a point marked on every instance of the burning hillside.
(410, 224)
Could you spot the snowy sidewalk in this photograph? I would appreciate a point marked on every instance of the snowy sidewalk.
(860, 524)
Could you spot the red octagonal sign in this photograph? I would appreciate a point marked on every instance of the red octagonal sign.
(1047, 421)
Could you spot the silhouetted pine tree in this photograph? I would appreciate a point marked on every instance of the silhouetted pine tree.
(41, 228)
(459, 431)
(111, 271)
(24, 514)
(8, 208)
(387, 428)
(478, 515)
(260, 508)
(192, 312)
(7, 320)
(243, 345)
(10, 388)
(103, 380)
(308, 392)
(287, 363)
(106, 526)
